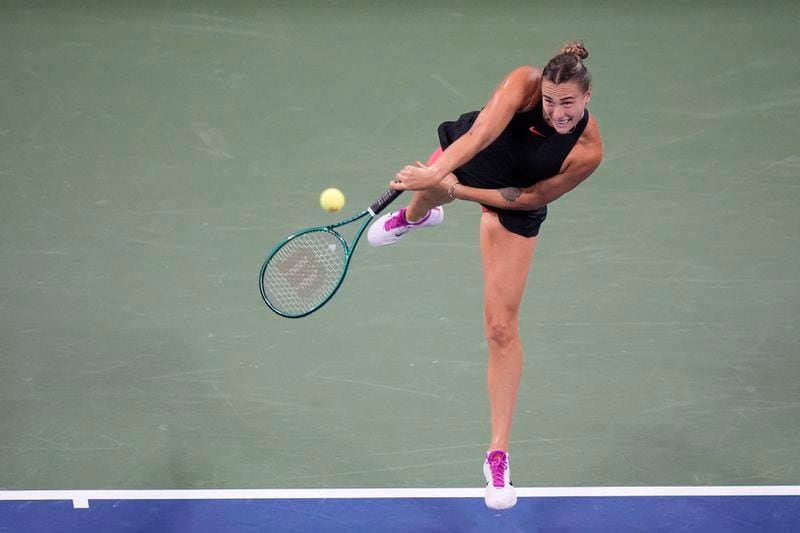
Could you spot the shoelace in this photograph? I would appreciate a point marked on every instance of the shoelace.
(498, 464)
(397, 221)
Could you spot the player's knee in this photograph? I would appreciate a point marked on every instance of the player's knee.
(501, 333)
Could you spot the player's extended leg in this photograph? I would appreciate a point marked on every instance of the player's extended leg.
(506, 261)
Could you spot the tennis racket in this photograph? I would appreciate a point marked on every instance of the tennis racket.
(304, 271)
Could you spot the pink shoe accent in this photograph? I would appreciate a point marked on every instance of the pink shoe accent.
(400, 221)
(392, 227)
(498, 464)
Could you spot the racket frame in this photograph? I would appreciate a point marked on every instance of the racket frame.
(371, 212)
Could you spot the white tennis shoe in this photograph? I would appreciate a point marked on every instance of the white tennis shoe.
(390, 228)
(500, 493)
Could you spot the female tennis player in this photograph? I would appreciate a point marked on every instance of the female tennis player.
(531, 143)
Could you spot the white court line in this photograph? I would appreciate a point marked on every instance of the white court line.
(81, 498)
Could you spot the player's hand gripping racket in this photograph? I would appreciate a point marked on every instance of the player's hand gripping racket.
(304, 271)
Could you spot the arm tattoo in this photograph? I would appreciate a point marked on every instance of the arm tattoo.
(510, 194)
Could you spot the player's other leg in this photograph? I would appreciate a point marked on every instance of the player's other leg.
(506, 261)
(424, 211)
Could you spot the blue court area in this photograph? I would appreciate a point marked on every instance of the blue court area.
(653, 510)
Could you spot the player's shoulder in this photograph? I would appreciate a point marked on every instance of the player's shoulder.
(524, 81)
(526, 74)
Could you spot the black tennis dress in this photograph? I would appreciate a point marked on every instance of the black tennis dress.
(527, 151)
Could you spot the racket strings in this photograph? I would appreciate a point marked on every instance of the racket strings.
(304, 272)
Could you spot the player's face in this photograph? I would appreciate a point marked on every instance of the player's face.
(563, 104)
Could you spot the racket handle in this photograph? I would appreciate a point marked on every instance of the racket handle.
(381, 203)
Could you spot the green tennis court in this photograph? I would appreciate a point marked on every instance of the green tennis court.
(151, 155)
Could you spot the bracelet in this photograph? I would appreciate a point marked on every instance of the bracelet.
(451, 192)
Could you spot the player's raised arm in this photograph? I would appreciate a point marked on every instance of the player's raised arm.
(517, 90)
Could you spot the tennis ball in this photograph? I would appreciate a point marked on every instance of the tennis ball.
(331, 199)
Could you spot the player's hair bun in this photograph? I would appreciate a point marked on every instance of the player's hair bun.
(575, 48)
(568, 66)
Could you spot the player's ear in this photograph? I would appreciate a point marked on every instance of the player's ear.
(588, 95)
